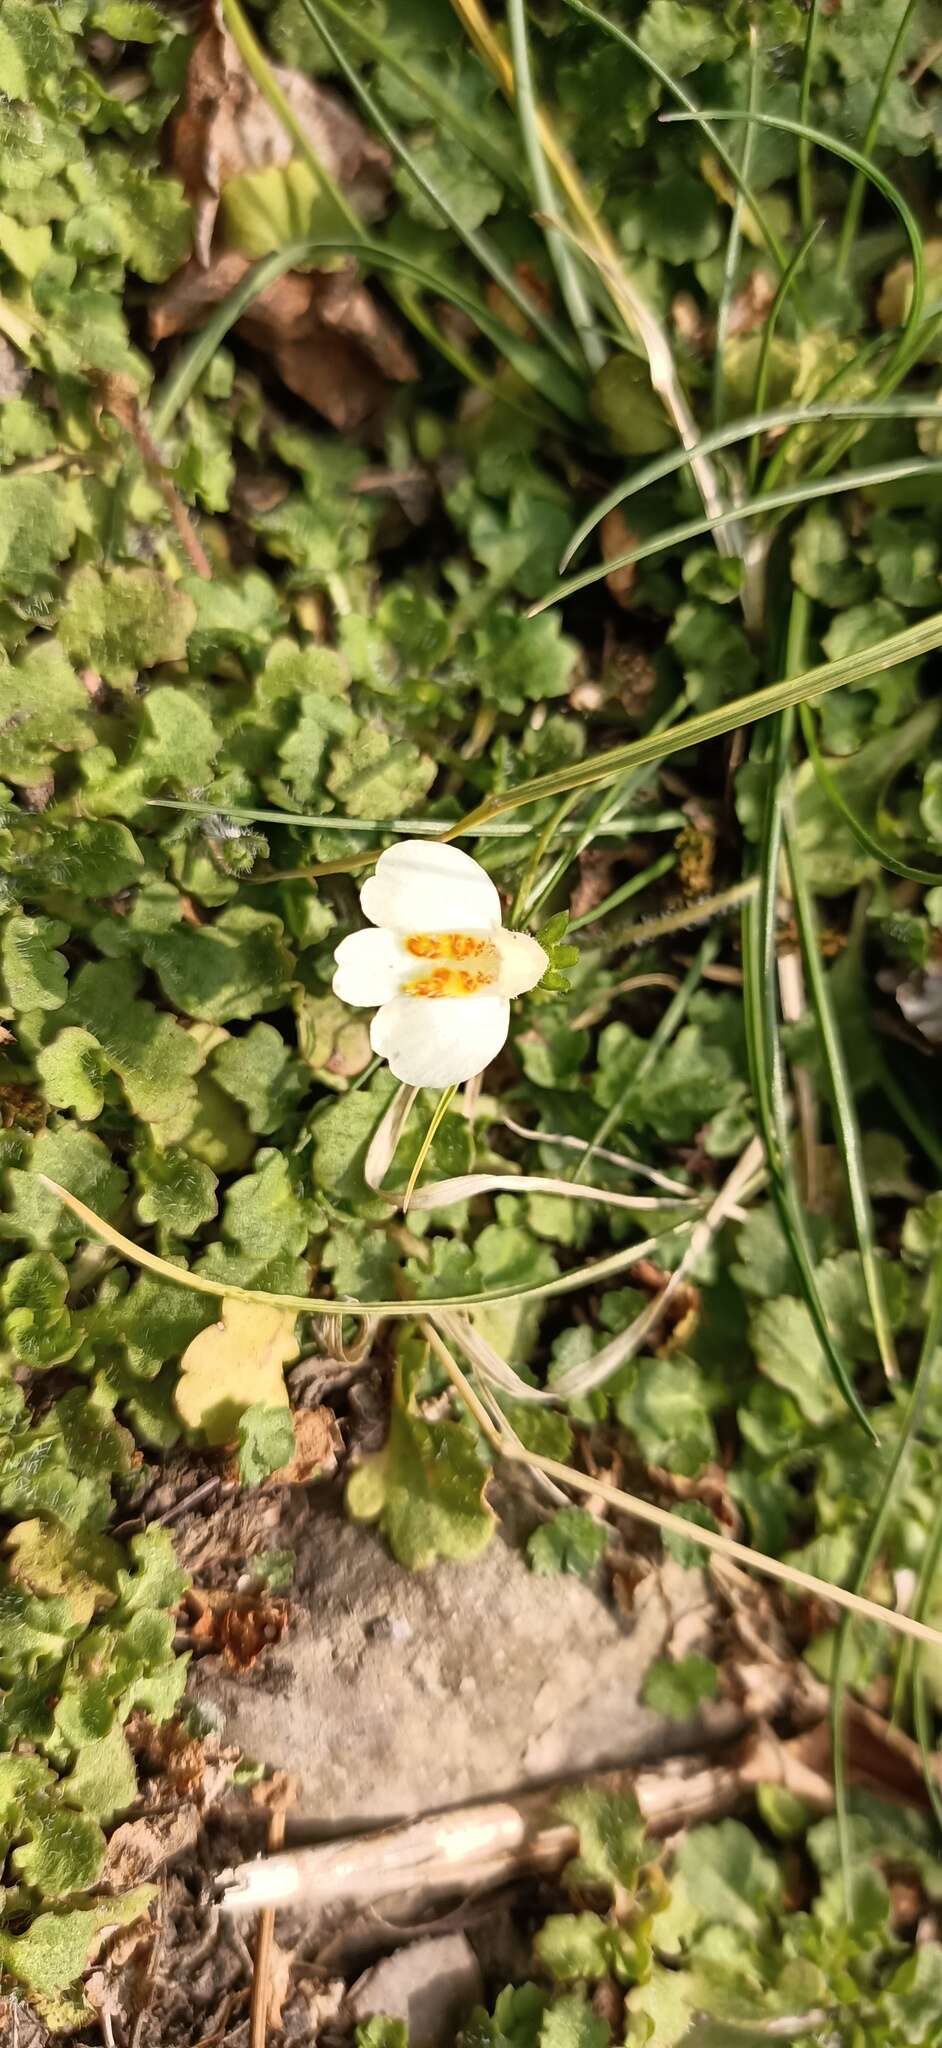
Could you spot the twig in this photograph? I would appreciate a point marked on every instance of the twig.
(126, 410)
(264, 1943)
(476, 1847)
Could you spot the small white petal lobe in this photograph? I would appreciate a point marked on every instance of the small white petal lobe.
(370, 968)
(522, 962)
(421, 886)
(435, 1044)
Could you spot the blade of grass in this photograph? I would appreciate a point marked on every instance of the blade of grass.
(441, 1109)
(606, 807)
(847, 1128)
(802, 493)
(632, 308)
(865, 838)
(889, 1498)
(922, 638)
(784, 287)
(670, 1023)
(925, 1590)
(861, 163)
(257, 64)
(740, 430)
(476, 135)
(763, 1040)
(734, 238)
(481, 248)
(855, 201)
(632, 887)
(530, 362)
(899, 1099)
(564, 1283)
(805, 187)
(572, 289)
(662, 1518)
(696, 113)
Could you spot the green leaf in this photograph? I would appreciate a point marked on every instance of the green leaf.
(64, 1854)
(259, 1071)
(37, 529)
(425, 1489)
(88, 858)
(177, 1191)
(611, 1837)
(675, 218)
(728, 1877)
(469, 189)
(624, 400)
(824, 563)
(55, 1949)
(375, 776)
(571, 2023)
(79, 1162)
(788, 1352)
(43, 707)
(103, 1780)
(683, 34)
(665, 1409)
(154, 1578)
(266, 1442)
(124, 620)
(32, 974)
(154, 1060)
(36, 1322)
(382, 2032)
(226, 970)
(72, 1070)
(573, 1946)
(678, 1690)
(572, 1541)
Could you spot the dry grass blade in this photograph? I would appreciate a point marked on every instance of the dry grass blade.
(662, 1518)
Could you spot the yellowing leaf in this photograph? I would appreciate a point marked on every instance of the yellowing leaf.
(234, 1365)
(60, 1564)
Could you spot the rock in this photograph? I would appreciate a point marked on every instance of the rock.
(396, 1692)
(432, 1985)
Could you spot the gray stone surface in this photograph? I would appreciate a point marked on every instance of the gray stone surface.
(432, 1985)
(396, 1692)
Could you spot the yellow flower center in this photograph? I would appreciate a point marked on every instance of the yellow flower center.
(445, 973)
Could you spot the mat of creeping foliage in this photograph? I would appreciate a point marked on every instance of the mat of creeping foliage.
(311, 598)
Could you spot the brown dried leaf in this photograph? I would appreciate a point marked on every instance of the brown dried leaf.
(317, 1441)
(138, 1848)
(240, 1627)
(187, 1767)
(749, 308)
(226, 126)
(331, 342)
(616, 537)
(596, 871)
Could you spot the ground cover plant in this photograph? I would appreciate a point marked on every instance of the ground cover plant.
(521, 430)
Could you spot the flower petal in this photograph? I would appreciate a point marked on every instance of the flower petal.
(522, 962)
(422, 886)
(432, 1045)
(370, 967)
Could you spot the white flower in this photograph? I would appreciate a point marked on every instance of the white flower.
(437, 964)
